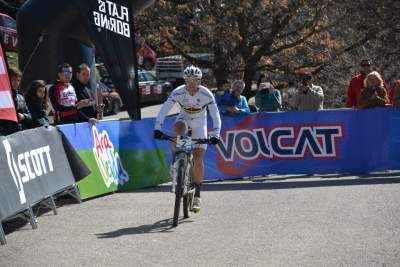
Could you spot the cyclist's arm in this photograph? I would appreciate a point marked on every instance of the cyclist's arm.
(214, 113)
(166, 107)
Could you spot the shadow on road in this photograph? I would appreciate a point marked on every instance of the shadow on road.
(286, 183)
(164, 226)
(271, 185)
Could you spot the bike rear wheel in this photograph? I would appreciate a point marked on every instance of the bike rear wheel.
(178, 190)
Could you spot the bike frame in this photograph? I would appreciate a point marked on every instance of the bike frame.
(182, 171)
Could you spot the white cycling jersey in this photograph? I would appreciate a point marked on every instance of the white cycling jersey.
(193, 109)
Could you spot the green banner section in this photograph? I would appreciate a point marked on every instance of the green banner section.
(94, 184)
(145, 168)
(142, 168)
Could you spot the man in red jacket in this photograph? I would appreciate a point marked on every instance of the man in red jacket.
(357, 83)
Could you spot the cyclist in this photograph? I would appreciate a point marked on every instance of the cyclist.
(194, 100)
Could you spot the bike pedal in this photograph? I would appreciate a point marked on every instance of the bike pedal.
(195, 210)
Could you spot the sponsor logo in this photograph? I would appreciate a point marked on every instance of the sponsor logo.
(28, 166)
(108, 159)
(112, 17)
(241, 148)
(10, 40)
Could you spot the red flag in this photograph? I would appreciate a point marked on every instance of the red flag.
(7, 108)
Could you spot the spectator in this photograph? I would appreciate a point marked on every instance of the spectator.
(37, 101)
(396, 94)
(223, 97)
(82, 77)
(23, 114)
(267, 97)
(374, 93)
(239, 103)
(141, 51)
(309, 97)
(357, 83)
(63, 97)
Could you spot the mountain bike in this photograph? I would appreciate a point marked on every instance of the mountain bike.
(181, 173)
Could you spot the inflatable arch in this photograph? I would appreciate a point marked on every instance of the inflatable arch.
(52, 32)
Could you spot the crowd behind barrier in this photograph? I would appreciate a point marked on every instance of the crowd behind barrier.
(34, 168)
(69, 100)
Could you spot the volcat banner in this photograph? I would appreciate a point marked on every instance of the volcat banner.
(123, 154)
(334, 141)
(33, 166)
(340, 141)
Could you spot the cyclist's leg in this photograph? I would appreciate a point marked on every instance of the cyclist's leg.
(199, 130)
(198, 174)
(180, 128)
(198, 165)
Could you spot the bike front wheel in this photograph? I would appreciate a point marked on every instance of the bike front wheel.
(178, 190)
(188, 197)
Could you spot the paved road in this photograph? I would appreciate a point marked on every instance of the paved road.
(292, 221)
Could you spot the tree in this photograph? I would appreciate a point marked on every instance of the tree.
(248, 36)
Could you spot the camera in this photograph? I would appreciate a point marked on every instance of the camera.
(306, 79)
(265, 86)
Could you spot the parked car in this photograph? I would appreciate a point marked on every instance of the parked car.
(152, 90)
(8, 33)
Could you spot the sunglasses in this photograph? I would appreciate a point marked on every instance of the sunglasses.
(192, 80)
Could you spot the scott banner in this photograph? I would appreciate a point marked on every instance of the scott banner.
(121, 155)
(33, 166)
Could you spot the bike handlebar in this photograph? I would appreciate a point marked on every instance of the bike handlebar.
(194, 140)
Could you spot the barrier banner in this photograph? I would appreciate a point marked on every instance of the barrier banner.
(340, 141)
(121, 155)
(33, 166)
(12, 196)
(332, 141)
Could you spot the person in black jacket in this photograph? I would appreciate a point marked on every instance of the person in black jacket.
(23, 114)
(37, 101)
(82, 77)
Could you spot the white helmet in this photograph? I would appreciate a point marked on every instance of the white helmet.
(192, 72)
